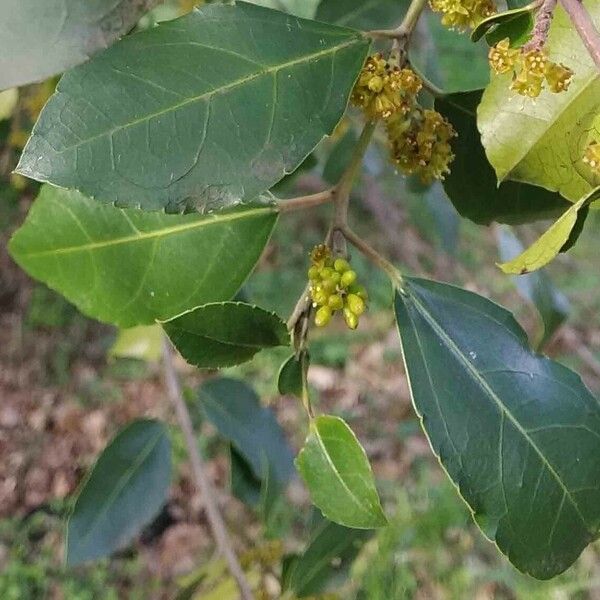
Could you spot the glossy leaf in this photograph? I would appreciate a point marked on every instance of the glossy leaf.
(330, 550)
(561, 235)
(472, 186)
(128, 267)
(543, 141)
(518, 434)
(235, 410)
(537, 288)
(224, 334)
(143, 342)
(292, 375)
(197, 112)
(517, 30)
(41, 39)
(362, 14)
(498, 19)
(128, 485)
(336, 471)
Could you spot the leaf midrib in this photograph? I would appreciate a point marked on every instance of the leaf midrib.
(267, 70)
(490, 392)
(165, 231)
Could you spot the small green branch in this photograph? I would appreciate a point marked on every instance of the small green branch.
(403, 32)
(374, 256)
(302, 202)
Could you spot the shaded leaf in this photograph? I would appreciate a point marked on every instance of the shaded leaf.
(472, 186)
(197, 112)
(143, 342)
(339, 157)
(362, 14)
(301, 8)
(41, 39)
(292, 375)
(224, 334)
(542, 142)
(330, 551)
(501, 18)
(235, 410)
(537, 288)
(245, 485)
(517, 30)
(127, 486)
(519, 434)
(128, 267)
(336, 471)
(560, 236)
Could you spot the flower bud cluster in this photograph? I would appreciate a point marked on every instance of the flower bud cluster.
(333, 288)
(461, 14)
(530, 69)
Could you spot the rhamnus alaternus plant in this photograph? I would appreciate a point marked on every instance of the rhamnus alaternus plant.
(162, 152)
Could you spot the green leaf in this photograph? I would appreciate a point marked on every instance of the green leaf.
(542, 141)
(330, 551)
(339, 157)
(8, 103)
(517, 30)
(537, 288)
(143, 342)
(561, 235)
(501, 19)
(479, 198)
(518, 434)
(245, 486)
(41, 39)
(130, 268)
(362, 14)
(301, 8)
(235, 410)
(223, 334)
(292, 375)
(197, 112)
(127, 486)
(336, 471)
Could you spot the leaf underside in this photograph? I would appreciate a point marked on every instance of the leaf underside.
(518, 433)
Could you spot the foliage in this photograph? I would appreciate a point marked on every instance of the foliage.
(161, 159)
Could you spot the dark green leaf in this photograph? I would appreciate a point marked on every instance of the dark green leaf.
(537, 288)
(362, 14)
(245, 486)
(197, 112)
(472, 184)
(128, 267)
(518, 433)
(235, 410)
(339, 157)
(40, 39)
(336, 471)
(329, 552)
(292, 375)
(517, 30)
(502, 18)
(223, 334)
(126, 488)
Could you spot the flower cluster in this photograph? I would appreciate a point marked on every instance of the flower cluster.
(420, 144)
(530, 68)
(461, 14)
(591, 157)
(383, 90)
(333, 288)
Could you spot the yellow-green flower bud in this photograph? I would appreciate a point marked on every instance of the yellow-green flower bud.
(350, 318)
(335, 302)
(356, 304)
(323, 316)
(348, 278)
(341, 265)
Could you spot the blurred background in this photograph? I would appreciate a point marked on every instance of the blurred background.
(67, 384)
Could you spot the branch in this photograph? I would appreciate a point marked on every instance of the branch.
(585, 27)
(543, 20)
(403, 32)
(302, 202)
(215, 520)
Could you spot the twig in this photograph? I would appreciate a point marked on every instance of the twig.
(543, 20)
(203, 483)
(373, 255)
(403, 32)
(585, 27)
(308, 201)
